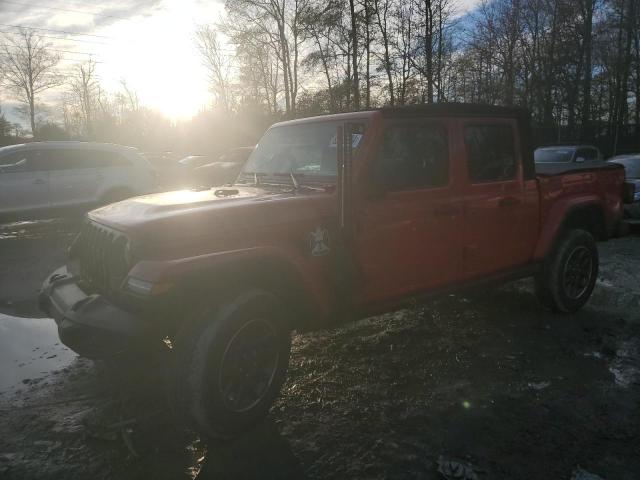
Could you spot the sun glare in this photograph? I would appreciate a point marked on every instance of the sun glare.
(157, 56)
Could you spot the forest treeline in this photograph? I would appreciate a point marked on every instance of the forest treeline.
(575, 64)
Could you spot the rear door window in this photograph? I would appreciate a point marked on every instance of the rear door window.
(71, 159)
(413, 156)
(588, 154)
(490, 153)
(67, 159)
(105, 158)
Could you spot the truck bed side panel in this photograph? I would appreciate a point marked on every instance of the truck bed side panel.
(561, 193)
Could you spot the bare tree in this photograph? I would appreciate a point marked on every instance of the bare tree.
(29, 69)
(217, 64)
(278, 23)
(128, 98)
(382, 7)
(83, 98)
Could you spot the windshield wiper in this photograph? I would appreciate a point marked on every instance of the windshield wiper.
(299, 186)
(256, 177)
(296, 185)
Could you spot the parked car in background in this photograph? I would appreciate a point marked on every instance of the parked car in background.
(48, 178)
(631, 164)
(194, 161)
(224, 170)
(567, 154)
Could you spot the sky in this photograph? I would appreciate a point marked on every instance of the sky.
(150, 43)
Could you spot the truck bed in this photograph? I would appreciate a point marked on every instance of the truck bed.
(550, 169)
(598, 184)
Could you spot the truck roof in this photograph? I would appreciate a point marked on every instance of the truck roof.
(455, 109)
(433, 109)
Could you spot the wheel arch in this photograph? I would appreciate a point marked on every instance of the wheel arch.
(217, 277)
(587, 214)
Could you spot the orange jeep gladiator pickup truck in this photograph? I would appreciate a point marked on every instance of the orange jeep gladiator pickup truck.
(332, 218)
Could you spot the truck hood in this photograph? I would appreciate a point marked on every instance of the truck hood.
(194, 214)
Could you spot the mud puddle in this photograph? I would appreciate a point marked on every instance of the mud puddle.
(30, 351)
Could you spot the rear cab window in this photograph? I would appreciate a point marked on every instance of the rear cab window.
(491, 154)
(412, 156)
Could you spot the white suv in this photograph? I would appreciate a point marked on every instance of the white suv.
(46, 177)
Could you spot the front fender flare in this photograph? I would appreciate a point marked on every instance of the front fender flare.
(316, 289)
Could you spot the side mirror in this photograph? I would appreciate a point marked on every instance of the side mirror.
(580, 159)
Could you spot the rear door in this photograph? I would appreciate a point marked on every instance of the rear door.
(408, 237)
(501, 208)
(74, 178)
(24, 182)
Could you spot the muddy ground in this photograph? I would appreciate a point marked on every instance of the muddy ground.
(491, 380)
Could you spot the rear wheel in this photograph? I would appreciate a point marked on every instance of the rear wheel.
(569, 274)
(230, 366)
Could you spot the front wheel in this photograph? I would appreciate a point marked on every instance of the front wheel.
(569, 274)
(230, 366)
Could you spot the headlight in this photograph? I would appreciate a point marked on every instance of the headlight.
(144, 287)
(141, 287)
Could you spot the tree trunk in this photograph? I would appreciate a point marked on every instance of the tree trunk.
(637, 49)
(382, 25)
(428, 48)
(440, 52)
(354, 57)
(549, 71)
(622, 91)
(367, 17)
(585, 122)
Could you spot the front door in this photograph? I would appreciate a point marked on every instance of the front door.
(24, 183)
(407, 237)
(501, 206)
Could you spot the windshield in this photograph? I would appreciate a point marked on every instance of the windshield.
(307, 151)
(193, 159)
(631, 166)
(553, 155)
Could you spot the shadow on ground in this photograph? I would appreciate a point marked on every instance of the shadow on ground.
(490, 379)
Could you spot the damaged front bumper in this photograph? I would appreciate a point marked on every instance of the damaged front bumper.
(90, 325)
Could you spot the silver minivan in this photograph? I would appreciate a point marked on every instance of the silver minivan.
(43, 178)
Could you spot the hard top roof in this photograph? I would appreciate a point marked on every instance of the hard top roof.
(433, 109)
(456, 109)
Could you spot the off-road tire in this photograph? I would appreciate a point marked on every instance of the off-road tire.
(199, 351)
(556, 285)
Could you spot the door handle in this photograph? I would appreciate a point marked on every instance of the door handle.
(447, 211)
(508, 201)
(39, 181)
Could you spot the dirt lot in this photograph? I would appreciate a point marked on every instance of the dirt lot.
(490, 380)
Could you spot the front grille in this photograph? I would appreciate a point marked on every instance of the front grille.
(100, 253)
